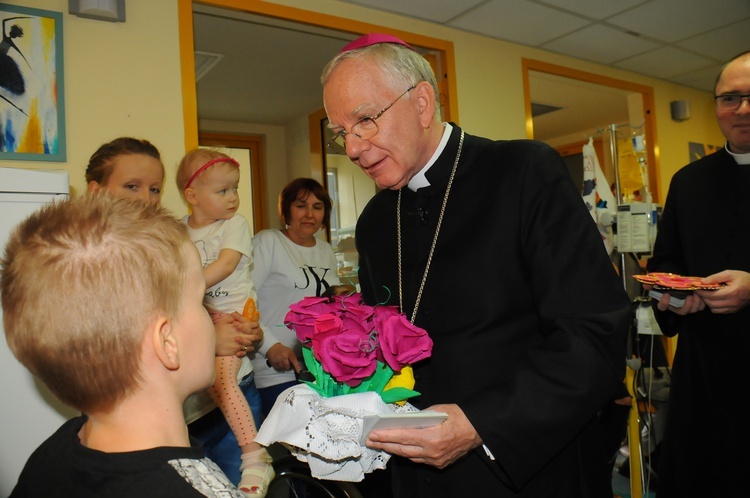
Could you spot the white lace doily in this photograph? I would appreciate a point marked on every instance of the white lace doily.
(325, 432)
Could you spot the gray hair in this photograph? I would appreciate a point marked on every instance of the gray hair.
(402, 65)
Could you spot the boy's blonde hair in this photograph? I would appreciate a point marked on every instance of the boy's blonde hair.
(80, 282)
(192, 161)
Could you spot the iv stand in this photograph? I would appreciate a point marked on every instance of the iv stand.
(634, 423)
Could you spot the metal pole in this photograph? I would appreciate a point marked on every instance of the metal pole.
(634, 422)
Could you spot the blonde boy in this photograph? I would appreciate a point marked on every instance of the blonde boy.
(103, 302)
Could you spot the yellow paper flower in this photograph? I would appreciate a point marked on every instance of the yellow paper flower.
(405, 379)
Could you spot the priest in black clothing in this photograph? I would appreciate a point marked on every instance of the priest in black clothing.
(705, 232)
(489, 247)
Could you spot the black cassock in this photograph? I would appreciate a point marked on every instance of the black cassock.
(705, 229)
(528, 316)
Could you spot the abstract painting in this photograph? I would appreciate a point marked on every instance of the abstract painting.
(697, 150)
(32, 97)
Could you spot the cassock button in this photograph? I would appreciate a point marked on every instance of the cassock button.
(428, 480)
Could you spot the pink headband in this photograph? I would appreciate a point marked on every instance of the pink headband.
(209, 163)
(373, 39)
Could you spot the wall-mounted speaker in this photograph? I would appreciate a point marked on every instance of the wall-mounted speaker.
(680, 110)
(102, 10)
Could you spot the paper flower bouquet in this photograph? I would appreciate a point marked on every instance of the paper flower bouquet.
(361, 359)
(351, 347)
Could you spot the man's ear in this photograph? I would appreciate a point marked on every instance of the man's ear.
(426, 102)
(190, 196)
(165, 343)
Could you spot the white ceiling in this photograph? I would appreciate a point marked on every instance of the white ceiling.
(269, 70)
(682, 41)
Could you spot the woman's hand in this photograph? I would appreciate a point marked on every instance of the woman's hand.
(236, 335)
(282, 358)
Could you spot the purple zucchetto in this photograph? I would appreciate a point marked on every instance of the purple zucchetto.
(373, 39)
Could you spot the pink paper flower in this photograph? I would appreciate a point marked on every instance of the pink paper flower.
(401, 342)
(347, 353)
(302, 315)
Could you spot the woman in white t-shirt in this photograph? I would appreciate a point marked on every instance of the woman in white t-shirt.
(289, 265)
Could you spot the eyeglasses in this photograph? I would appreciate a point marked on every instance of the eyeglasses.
(366, 127)
(730, 102)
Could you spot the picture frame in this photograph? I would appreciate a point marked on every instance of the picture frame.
(32, 90)
(697, 151)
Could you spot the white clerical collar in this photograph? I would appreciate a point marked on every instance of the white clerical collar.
(420, 180)
(740, 158)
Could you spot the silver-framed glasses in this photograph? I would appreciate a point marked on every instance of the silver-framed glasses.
(366, 127)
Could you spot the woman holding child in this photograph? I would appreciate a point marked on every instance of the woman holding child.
(132, 167)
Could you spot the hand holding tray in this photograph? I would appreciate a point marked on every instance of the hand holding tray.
(678, 286)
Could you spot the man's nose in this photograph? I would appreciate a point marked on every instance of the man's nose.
(354, 146)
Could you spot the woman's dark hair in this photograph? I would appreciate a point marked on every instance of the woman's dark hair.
(100, 168)
(301, 188)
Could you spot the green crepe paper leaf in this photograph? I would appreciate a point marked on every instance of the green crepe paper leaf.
(381, 377)
(328, 387)
(397, 394)
(321, 377)
(363, 387)
(312, 364)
